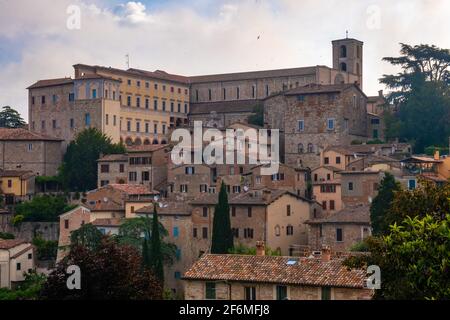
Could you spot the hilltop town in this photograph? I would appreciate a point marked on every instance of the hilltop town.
(291, 230)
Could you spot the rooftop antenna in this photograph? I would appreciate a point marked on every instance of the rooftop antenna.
(128, 60)
(346, 34)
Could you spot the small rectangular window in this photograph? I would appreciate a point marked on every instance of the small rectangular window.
(210, 290)
(66, 224)
(330, 124)
(281, 292)
(339, 235)
(301, 125)
(326, 293)
(205, 233)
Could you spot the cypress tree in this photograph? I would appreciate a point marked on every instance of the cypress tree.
(222, 237)
(146, 262)
(381, 204)
(156, 252)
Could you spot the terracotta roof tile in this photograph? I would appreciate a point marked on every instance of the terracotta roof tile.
(51, 83)
(224, 106)
(17, 173)
(111, 222)
(272, 269)
(253, 75)
(24, 135)
(9, 244)
(355, 214)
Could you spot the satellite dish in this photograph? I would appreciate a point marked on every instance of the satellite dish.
(161, 205)
(246, 189)
(156, 198)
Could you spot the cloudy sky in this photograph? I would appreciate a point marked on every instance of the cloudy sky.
(39, 38)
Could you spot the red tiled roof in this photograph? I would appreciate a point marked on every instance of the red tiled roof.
(272, 269)
(168, 208)
(17, 173)
(146, 148)
(355, 214)
(253, 75)
(10, 243)
(19, 134)
(51, 83)
(133, 189)
(236, 106)
(112, 222)
(113, 158)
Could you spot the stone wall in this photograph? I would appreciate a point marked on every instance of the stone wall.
(41, 157)
(302, 148)
(28, 230)
(351, 234)
(195, 290)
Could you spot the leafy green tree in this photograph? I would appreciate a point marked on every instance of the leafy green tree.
(43, 208)
(46, 249)
(222, 236)
(87, 236)
(382, 202)
(421, 88)
(79, 169)
(429, 199)
(110, 272)
(251, 251)
(133, 232)
(10, 118)
(6, 236)
(258, 117)
(414, 259)
(29, 289)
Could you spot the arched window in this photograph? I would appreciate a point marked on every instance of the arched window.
(343, 52)
(164, 142)
(138, 142)
(277, 231)
(155, 141)
(310, 148)
(129, 142)
(300, 148)
(146, 142)
(343, 66)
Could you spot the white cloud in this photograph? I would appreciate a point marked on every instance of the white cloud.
(233, 36)
(133, 12)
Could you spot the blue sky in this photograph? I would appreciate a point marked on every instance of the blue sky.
(205, 36)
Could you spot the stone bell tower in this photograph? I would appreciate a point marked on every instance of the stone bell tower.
(348, 56)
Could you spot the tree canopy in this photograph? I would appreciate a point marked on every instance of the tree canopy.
(79, 169)
(43, 208)
(10, 118)
(110, 272)
(222, 237)
(422, 87)
(414, 253)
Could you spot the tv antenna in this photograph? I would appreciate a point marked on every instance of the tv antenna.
(128, 60)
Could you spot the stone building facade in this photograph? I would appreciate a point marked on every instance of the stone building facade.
(341, 230)
(21, 149)
(359, 187)
(274, 216)
(315, 117)
(145, 164)
(224, 98)
(238, 277)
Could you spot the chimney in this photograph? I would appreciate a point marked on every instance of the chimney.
(260, 248)
(326, 254)
(436, 155)
(267, 195)
(380, 94)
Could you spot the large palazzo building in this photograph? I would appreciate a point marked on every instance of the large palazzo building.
(140, 107)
